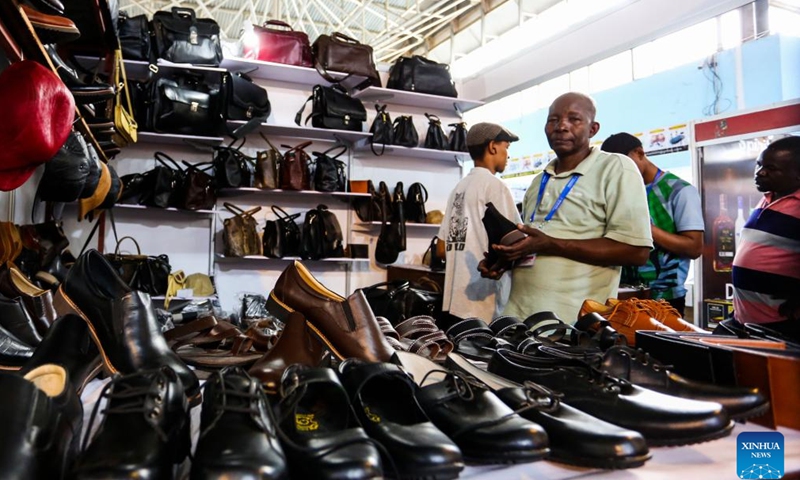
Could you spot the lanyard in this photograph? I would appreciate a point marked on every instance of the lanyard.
(650, 186)
(559, 201)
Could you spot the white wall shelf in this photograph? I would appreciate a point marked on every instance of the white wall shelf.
(285, 73)
(235, 192)
(413, 99)
(140, 69)
(176, 139)
(308, 133)
(406, 152)
(409, 225)
(125, 206)
(259, 259)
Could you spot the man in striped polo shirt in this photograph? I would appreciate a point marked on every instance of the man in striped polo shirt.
(676, 217)
(766, 269)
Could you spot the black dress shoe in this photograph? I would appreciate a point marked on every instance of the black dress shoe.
(382, 396)
(42, 417)
(576, 438)
(82, 92)
(661, 419)
(318, 437)
(500, 231)
(145, 431)
(69, 345)
(123, 323)
(482, 426)
(640, 369)
(15, 320)
(238, 439)
(13, 353)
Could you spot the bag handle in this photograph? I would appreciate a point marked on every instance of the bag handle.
(163, 158)
(298, 118)
(178, 11)
(240, 212)
(268, 142)
(119, 242)
(277, 23)
(424, 190)
(297, 147)
(344, 38)
(433, 118)
(325, 153)
(120, 67)
(196, 166)
(285, 217)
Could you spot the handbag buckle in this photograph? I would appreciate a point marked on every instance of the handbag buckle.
(193, 35)
(346, 119)
(193, 107)
(249, 113)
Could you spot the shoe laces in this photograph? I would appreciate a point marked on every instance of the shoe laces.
(228, 392)
(599, 378)
(540, 397)
(644, 358)
(130, 399)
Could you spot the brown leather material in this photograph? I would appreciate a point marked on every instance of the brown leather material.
(38, 303)
(50, 22)
(626, 317)
(240, 232)
(340, 53)
(295, 345)
(346, 326)
(663, 312)
(293, 170)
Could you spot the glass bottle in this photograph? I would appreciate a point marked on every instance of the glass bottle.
(740, 221)
(724, 238)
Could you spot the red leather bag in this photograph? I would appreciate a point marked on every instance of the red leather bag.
(282, 46)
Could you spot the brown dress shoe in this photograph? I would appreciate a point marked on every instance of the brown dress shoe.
(662, 311)
(346, 326)
(51, 28)
(38, 303)
(295, 345)
(626, 317)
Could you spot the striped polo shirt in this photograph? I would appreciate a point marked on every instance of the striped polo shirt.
(766, 269)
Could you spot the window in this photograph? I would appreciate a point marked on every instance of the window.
(784, 22)
(685, 46)
(730, 29)
(611, 72)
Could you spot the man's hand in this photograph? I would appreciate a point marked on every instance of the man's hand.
(790, 309)
(536, 242)
(493, 272)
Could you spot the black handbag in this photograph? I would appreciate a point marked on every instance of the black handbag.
(185, 104)
(163, 185)
(181, 37)
(282, 236)
(392, 238)
(400, 299)
(415, 203)
(330, 174)
(458, 137)
(199, 187)
(146, 273)
(232, 168)
(405, 134)
(381, 129)
(134, 37)
(246, 100)
(369, 209)
(418, 74)
(435, 138)
(322, 235)
(333, 108)
(432, 258)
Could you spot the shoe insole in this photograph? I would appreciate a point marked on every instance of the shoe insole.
(491, 380)
(418, 367)
(390, 399)
(51, 379)
(23, 284)
(314, 283)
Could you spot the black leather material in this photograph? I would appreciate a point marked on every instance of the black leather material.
(181, 37)
(435, 138)
(499, 230)
(404, 132)
(400, 299)
(330, 173)
(639, 368)
(123, 322)
(457, 141)
(246, 99)
(144, 432)
(69, 345)
(281, 237)
(322, 235)
(238, 437)
(381, 128)
(383, 399)
(332, 107)
(95, 169)
(314, 413)
(661, 419)
(15, 320)
(82, 92)
(41, 431)
(134, 37)
(186, 104)
(232, 168)
(65, 175)
(13, 353)
(418, 74)
(414, 208)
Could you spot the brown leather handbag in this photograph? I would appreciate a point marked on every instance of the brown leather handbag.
(267, 162)
(339, 53)
(240, 232)
(199, 189)
(294, 172)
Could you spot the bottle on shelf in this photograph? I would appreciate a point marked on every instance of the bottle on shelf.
(740, 221)
(724, 238)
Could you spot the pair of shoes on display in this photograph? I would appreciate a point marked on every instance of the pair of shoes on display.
(38, 303)
(122, 322)
(83, 92)
(626, 317)
(46, 17)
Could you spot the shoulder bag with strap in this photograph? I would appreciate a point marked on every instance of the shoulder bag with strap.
(124, 123)
(330, 174)
(294, 173)
(333, 108)
(240, 232)
(267, 162)
(435, 138)
(415, 203)
(282, 236)
(199, 188)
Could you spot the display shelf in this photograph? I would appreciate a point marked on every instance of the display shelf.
(259, 259)
(308, 133)
(406, 152)
(235, 192)
(413, 99)
(139, 69)
(176, 139)
(125, 206)
(284, 73)
(377, 224)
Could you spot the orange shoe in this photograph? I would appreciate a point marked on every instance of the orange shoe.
(626, 317)
(662, 311)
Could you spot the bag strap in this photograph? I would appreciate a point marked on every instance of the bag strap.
(277, 23)
(163, 158)
(344, 38)
(195, 167)
(177, 11)
(298, 118)
(297, 147)
(120, 67)
(119, 242)
(240, 212)
(281, 213)
(268, 142)
(325, 153)
(433, 119)
(424, 190)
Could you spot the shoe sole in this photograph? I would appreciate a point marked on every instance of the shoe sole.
(281, 311)
(507, 458)
(753, 412)
(654, 442)
(604, 463)
(62, 303)
(9, 368)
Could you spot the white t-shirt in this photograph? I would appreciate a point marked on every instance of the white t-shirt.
(466, 294)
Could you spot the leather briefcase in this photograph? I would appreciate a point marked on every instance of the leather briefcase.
(333, 108)
(340, 53)
(282, 46)
(184, 103)
(418, 74)
(246, 99)
(181, 37)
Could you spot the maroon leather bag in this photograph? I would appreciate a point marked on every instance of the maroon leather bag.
(282, 46)
(294, 172)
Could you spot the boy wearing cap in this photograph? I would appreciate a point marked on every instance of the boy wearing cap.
(462, 234)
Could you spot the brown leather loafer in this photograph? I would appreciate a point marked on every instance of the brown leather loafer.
(663, 312)
(51, 28)
(38, 302)
(626, 317)
(346, 326)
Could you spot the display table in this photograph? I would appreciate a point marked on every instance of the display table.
(710, 460)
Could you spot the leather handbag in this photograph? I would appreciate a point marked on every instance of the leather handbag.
(330, 174)
(458, 137)
(146, 273)
(392, 238)
(415, 203)
(134, 37)
(293, 170)
(369, 209)
(404, 132)
(339, 53)
(199, 188)
(278, 42)
(418, 74)
(282, 236)
(435, 138)
(381, 129)
(333, 108)
(246, 100)
(400, 299)
(232, 168)
(163, 185)
(432, 258)
(322, 235)
(181, 37)
(240, 232)
(124, 123)
(184, 103)
(267, 162)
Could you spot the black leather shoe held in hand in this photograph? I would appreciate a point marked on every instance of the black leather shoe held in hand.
(500, 230)
(382, 396)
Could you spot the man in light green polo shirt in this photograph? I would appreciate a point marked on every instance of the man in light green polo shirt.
(585, 216)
